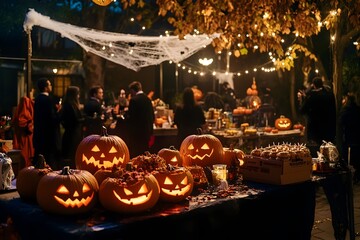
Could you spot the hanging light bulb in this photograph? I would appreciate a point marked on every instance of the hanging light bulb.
(205, 61)
(103, 2)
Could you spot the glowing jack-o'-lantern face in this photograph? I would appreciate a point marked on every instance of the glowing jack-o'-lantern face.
(101, 152)
(130, 193)
(283, 123)
(171, 156)
(175, 184)
(202, 150)
(68, 191)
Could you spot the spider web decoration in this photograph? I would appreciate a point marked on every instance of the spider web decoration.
(131, 51)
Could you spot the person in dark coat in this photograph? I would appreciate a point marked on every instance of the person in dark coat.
(94, 111)
(318, 104)
(72, 120)
(349, 119)
(140, 118)
(188, 117)
(46, 138)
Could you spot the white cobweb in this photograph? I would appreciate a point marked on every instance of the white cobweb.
(131, 51)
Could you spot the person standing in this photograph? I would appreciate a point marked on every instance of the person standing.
(94, 111)
(23, 123)
(318, 105)
(349, 119)
(188, 117)
(46, 138)
(72, 120)
(139, 119)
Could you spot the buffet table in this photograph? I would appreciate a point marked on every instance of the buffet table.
(250, 211)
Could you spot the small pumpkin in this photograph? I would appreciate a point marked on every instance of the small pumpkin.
(176, 183)
(202, 150)
(171, 156)
(67, 191)
(102, 174)
(101, 152)
(232, 154)
(298, 126)
(283, 123)
(133, 192)
(28, 178)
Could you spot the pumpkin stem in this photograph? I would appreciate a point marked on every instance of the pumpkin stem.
(39, 161)
(65, 171)
(104, 131)
(172, 148)
(199, 131)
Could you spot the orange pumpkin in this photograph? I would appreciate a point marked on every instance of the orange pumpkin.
(101, 152)
(67, 192)
(202, 150)
(133, 192)
(29, 177)
(102, 174)
(176, 183)
(232, 154)
(298, 126)
(283, 123)
(103, 2)
(171, 156)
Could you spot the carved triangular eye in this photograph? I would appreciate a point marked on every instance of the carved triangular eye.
(168, 181)
(185, 180)
(95, 149)
(85, 188)
(174, 159)
(113, 150)
(143, 189)
(128, 192)
(191, 147)
(62, 189)
(205, 146)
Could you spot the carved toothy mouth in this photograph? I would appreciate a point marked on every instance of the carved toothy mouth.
(134, 201)
(75, 203)
(178, 191)
(104, 163)
(201, 157)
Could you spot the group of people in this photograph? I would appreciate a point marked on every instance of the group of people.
(37, 122)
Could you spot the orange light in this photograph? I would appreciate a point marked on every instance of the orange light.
(102, 2)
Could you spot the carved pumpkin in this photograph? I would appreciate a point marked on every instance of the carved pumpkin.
(176, 183)
(232, 154)
(68, 191)
(29, 178)
(133, 192)
(202, 150)
(283, 123)
(171, 156)
(298, 126)
(101, 152)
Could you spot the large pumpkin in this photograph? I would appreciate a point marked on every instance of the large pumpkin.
(101, 152)
(29, 178)
(171, 156)
(176, 183)
(283, 123)
(133, 192)
(202, 150)
(68, 191)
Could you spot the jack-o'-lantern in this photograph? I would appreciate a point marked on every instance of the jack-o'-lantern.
(133, 192)
(101, 151)
(176, 183)
(67, 191)
(283, 123)
(171, 156)
(29, 178)
(202, 150)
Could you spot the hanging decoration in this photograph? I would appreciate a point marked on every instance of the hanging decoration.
(131, 51)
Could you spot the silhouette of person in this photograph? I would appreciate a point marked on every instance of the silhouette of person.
(188, 117)
(94, 111)
(228, 97)
(46, 138)
(213, 100)
(139, 119)
(72, 120)
(318, 105)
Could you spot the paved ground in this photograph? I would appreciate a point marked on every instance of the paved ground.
(322, 229)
